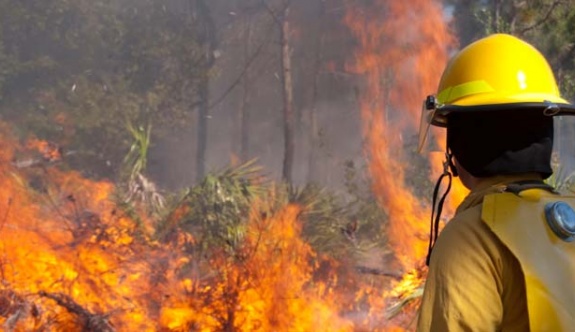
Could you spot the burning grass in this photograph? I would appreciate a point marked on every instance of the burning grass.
(234, 253)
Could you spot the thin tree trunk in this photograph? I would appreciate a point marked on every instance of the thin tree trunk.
(313, 125)
(208, 42)
(496, 16)
(244, 113)
(203, 114)
(288, 112)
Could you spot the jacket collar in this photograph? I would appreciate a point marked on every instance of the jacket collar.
(491, 185)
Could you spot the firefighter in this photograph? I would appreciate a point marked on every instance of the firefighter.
(506, 260)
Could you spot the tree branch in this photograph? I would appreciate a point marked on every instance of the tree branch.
(241, 75)
(541, 21)
(271, 12)
(278, 20)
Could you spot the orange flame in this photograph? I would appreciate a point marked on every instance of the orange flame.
(403, 46)
(267, 288)
(71, 260)
(50, 151)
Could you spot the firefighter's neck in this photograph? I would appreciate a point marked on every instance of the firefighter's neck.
(474, 183)
(469, 181)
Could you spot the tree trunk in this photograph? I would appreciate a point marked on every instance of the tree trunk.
(496, 16)
(288, 112)
(313, 126)
(202, 139)
(208, 44)
(244, 114)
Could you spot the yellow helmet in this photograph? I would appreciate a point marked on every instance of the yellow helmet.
(498, 72)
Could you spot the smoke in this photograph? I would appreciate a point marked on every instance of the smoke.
(338, 122)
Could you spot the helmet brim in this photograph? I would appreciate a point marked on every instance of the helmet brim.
(548, 108)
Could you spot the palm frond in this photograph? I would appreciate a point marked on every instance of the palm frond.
(400, 305)
(216, 210)
(138, 188)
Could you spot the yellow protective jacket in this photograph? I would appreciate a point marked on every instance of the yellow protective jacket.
(476, 281)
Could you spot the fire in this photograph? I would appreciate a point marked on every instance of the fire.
(50, 151)
(400, 54)
(73, 260)
(266, 288)
(402, 49)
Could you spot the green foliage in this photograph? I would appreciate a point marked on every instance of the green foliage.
(554, 37)
(474, 19)
(547, 24)
(218, 208)
(324, 218)
(137, 187)
(216, 211)
(70, 70)
(339, 225)
(491, 23)
(136, 159)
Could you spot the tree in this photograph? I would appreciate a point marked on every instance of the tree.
(288, 108)
(282, 21)
(207, 41)
(244, 113)
(313, 124)
(76, 72)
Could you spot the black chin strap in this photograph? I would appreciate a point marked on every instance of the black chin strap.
(434, 227)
